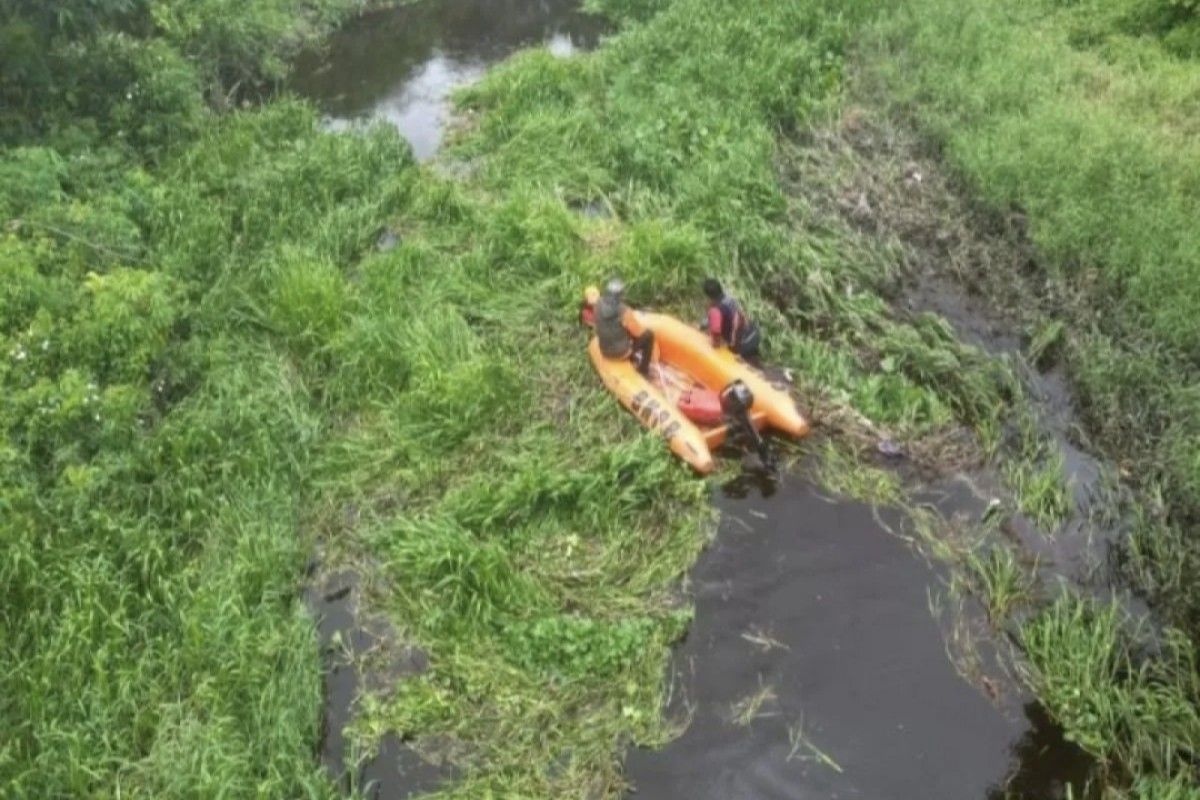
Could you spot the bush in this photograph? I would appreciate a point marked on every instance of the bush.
(241, 45)
(29, 177)
(139, 92)
(125, 324)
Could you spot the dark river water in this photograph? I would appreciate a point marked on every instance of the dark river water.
(401, 65)
(817, 605)
(815, 668)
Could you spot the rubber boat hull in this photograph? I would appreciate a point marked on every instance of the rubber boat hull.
(689, 349)
(681, 347)
(652, 408)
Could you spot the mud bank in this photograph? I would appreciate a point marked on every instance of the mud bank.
(973, 268)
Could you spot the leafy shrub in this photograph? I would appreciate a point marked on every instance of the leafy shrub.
(140, 92)
(29, 176)
(125, 324)
(26, 289)
(237, 43)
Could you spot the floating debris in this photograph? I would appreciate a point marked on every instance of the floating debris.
(890, 448)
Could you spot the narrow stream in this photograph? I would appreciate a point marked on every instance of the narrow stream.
(348, 639)
(814, 668)
(815, 607)
(1083, 549)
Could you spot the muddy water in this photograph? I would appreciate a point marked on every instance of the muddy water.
(400, 65)
(348, 640)
(1085, 548)
(817, 607)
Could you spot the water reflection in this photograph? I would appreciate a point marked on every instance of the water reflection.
(814, 615)
(401, 65)
(1044, 764)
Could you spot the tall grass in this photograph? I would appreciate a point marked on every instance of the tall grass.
(156, 447)
(1133, 714)
(1075, 115)
(210, 365)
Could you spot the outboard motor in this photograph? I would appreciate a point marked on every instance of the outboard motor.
(736, 402)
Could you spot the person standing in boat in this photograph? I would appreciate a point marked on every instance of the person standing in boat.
(728, 325)
(615, 341)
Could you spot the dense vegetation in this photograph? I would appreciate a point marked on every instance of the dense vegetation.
(154, 440)
(207, 365)
(1089, 127)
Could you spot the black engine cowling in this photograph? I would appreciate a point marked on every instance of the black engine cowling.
(736, 402)
(736, 399)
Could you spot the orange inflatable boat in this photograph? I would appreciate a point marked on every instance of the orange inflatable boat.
(687, 374)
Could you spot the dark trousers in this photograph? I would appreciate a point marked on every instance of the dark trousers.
(643, 351)
(748, 347)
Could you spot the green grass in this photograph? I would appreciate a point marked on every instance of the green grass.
(156, 446)
(1071, 132)
(1042, 491)
(1082, 115)
(1125, 711)
(1002, 582)
(847, 474)
(209, 367)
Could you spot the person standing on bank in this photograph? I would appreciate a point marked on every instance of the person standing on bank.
(728, 325)
(615, 341)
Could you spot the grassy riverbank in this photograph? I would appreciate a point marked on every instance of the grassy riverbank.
(211, 366)
(156, 438)
(1083, 118)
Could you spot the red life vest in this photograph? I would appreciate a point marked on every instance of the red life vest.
(587, 314)
(726, 321)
